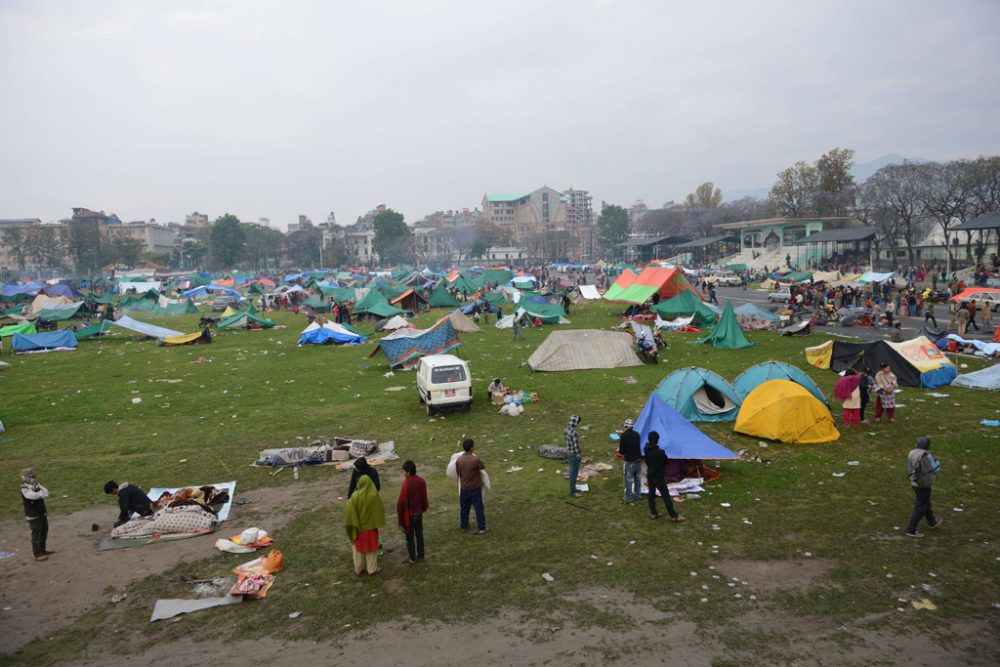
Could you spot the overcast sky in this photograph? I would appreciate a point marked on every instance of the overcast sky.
(271, 109)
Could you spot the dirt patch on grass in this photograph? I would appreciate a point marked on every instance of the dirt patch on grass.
(771, 575)
(78, 576)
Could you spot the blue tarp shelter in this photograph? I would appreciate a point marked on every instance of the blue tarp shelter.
(198, 291)
(49, 340)
(751, 310)
(330, 332)
(679, 438)
(757, 375)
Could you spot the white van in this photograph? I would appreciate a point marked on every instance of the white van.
(444, 380)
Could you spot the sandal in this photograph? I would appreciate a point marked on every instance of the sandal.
(677, 519)
(655, 516)
(377, 570)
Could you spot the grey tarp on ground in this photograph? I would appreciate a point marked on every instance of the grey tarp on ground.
(151, 330)
(578, 349)
(987, 378)
(164, 609)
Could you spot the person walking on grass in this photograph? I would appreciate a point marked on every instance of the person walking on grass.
(516, 326)
(656, 473)
(363, 516)
(923, 468)
(469, 468)
(33, 496)
(630, 448)
(410, 509)
(573, 456)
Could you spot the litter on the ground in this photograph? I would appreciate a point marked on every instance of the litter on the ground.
(164, 609)
(839, 474)
(548, 577)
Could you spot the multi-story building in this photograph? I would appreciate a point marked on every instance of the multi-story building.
(196, 219)
(579, 207)
(552, 224)
(155, 238)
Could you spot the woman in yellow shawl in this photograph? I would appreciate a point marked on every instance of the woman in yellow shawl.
(363, 516)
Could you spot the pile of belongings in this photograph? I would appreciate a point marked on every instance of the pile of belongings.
(338, 450)
(185, 510)
(255, 578)
(246, 542)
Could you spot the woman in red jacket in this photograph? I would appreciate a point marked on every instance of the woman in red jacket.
(410, 510)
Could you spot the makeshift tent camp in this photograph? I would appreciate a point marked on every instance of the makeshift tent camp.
(679, 438)
(246, 320)
(442, 298)
(988, 378)
(462, 323)
(752, 317)
(699, 395)
(50, 341)
(757, 375)
(665, 282)
(727, 334)
(202, 337)
(145, 329)
(916, 363)
(138, 287)
(589, 292)
(393, 323)
(580, 349)
(99, 329)
(686, 304)
(22, 328)
(408, 344)
(58, 313)
(523, 282)
(329, 332)
(785, 411)
(41, 302)
(318, 304)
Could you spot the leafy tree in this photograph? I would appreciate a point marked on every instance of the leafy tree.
(13, 239)
(226, 241)
(84, 246)
(835, 187)
(189, 255)
(261, 244)
(303, 245)
(335, 253)
(612, 226)
(705, 196)
(127, 250)
(791, 195)
(391, 236)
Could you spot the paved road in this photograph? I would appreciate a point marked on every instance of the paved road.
(910, 324)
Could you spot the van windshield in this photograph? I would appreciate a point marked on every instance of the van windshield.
(446, 374)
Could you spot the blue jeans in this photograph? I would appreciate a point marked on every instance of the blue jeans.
(469, 498)
(574, 470)
(633, 481)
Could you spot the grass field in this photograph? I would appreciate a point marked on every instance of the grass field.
(71, 415)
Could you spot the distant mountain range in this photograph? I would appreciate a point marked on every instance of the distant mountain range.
(861, 172)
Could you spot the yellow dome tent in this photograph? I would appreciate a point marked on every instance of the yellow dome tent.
(785, 411)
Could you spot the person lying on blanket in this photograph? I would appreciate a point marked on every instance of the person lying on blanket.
(130, 499)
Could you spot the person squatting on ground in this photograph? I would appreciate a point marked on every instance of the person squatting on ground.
(848, 391)
(923, 468)
(410, 509)
(363, 516)
(885, 398)
(573, 456)
(656, 472)
(630, 447)
(468, 467)
(33, 496)
(131, 500)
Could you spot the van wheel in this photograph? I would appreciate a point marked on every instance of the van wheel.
(430, 410)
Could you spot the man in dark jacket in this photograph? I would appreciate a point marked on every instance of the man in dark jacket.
(630, 447)
(362, 467)
(131, 500)
(573, 456)
(33, 496)
(656, 478)
(922, 468)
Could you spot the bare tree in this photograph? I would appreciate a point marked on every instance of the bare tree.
(946, 196)
(893, 197)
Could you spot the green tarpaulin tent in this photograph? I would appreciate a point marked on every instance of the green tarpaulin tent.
(50, 314)
(26, 328)
(98, 329)
(185, 308)
(549, 313)
(442, 298)
(318, 304)
(494, 298)
(727, 334)
(686, 304)
(376, 304)
(243, 318)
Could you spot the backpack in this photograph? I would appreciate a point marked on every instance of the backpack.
(920, 477)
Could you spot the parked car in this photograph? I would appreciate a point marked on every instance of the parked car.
(726, 279)
(782, 295)
(980, 294)
(220, 303)
(444, 380)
